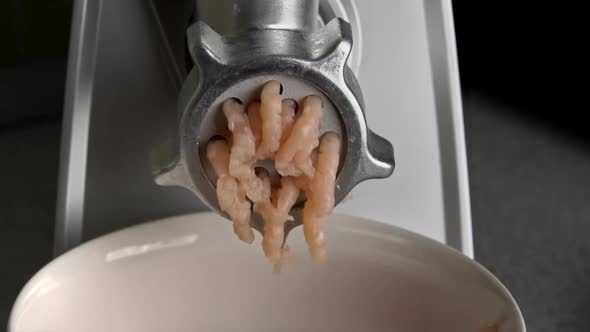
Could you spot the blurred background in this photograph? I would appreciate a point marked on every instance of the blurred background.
(528, 151)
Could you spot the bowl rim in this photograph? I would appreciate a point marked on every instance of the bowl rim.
(412, 236)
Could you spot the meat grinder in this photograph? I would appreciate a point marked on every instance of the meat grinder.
(146, 79)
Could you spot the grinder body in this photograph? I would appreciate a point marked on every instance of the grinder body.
(128, 62)
(265, 40)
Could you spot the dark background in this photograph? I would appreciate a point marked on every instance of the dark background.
(528, 149)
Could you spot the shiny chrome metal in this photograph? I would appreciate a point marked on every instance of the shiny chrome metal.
(232, 17)
(348, 11)
(237, 64)
(228, 17)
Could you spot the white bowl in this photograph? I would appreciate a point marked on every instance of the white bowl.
(189, 273)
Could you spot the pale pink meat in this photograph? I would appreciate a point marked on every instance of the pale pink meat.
(266, 189)
(231, 198)
(293, 157)
(275, 213)
(270, 114)
(243, 149)
(302, 181)
(288, 107)
(320, 195)
(287, 118)
(322, 184)
(270, 130)
(287, 197)
(255, 121)
(218, 156)
(233, 201)
(265, 210)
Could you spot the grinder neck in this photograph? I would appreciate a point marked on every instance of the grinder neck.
(233, 17)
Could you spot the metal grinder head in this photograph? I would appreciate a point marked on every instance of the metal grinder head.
(270, 40)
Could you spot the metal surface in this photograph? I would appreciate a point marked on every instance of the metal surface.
(346, 10)
(228, 17)
(410, 83)
(226, 66)
(232, 17)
